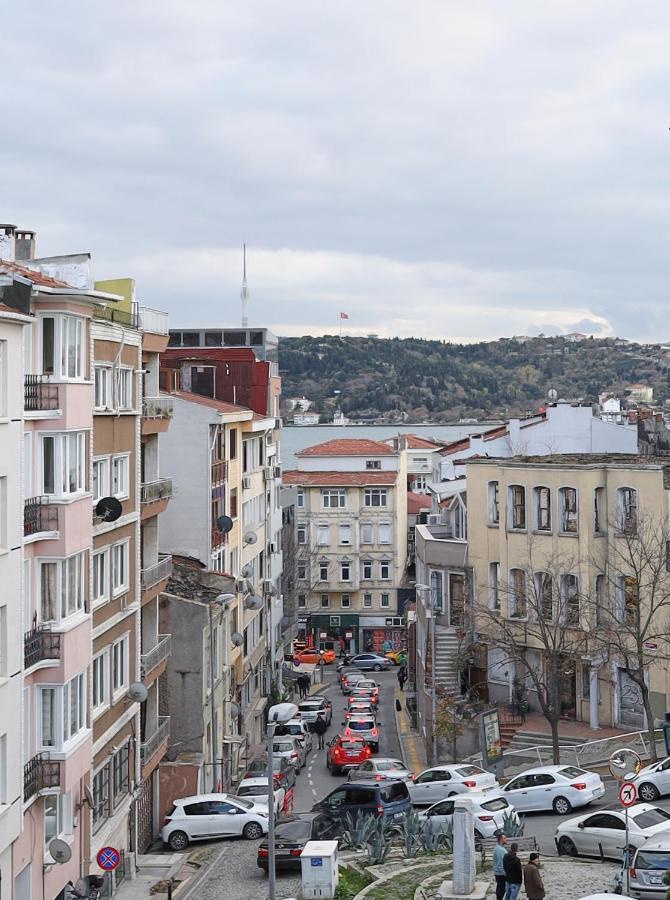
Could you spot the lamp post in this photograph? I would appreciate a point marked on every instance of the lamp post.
(223, 600)
(282, 712)
(423, 589)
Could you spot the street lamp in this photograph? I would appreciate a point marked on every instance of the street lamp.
(223, 600)
(282, 712)
(422, 589)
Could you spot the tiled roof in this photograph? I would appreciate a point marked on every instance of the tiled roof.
(337, 479)
(348, 447)
(219, 405)
(417, 502)
(414, 442)
(13, 268)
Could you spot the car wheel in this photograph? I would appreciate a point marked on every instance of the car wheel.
(334, 770)
(566, 847)
(376, 668)
(178, 840)
(452, 794)
(252, 831)
(648, 792)
(562, 806)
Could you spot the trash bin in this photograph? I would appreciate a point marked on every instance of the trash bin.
(319, 869)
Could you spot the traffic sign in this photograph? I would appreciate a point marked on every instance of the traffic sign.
(627, 793)
(108, 858)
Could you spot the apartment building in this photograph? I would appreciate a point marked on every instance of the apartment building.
(548, 542)
(351, 538)
(420, 454)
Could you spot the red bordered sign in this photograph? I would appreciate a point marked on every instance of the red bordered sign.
(108, 858)
(627, 793)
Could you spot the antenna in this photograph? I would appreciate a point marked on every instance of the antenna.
(244, 293)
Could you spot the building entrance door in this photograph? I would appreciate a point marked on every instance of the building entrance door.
(631, 711)
(568, 688)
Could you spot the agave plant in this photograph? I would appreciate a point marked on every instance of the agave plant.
(379, 841)
(513, 825)
(356, 831)
(436, 836)
(411, 831)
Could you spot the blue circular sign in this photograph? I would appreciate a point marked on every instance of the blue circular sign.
(108, 858)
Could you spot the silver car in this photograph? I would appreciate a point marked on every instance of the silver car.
(650, 864)
(384, 768)
(296, 728)
(364, 727)
(292, 748)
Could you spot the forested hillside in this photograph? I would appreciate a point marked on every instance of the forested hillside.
(415, 379)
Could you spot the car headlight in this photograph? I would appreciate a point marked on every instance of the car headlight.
(263, 814)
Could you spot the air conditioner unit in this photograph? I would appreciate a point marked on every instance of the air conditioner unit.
(276, 472)
(267, 473)
(246, 482)
(267, 585)
(434, 519)
(274, 547)
(241, 585)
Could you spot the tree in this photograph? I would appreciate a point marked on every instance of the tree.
(448, 724)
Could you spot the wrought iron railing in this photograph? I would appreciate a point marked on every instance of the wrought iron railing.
(38, 773)
(153, 742)
(156, 655)
(39, 515)
(157, 407)
(153, 574)
(39, 644)
(161, 489)
(118, 316)
(38, 393)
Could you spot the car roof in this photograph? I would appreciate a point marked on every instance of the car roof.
(253, 782)
(361, 718)
(549, 768)
(393, 759)
(201, 798)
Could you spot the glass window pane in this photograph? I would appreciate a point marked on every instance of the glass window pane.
(48, 464)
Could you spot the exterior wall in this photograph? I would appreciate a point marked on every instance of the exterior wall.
(387, 463)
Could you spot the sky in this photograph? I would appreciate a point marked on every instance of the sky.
(433, 168)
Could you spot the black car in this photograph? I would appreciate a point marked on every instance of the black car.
(377, 798)
(291, 835)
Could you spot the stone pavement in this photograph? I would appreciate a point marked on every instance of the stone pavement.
(411, 746)
(570, 879)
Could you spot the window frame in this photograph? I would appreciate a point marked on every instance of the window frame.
(493, 503)
(120, 490)
(364, 532)
(514, 596)
(385, 600)
(61, 463)
(626, 513)
(345, 529)
(120, 652)
(101, 487)
(345, 601)
(61, 710)
(60, 344)
(372, 494)
(101, 699)
(367, 600)
(384, 564)
(382, 532)
(494, 585)
(124, 587)
(517, 519)
(301, 533)
(102, 394)
(568, 516)
(62, 587)
(542, 511)
(345, 566)
(366, 569)
(331, 497)
(568, 600)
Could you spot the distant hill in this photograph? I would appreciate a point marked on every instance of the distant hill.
(414, 380)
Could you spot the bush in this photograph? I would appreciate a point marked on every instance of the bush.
(350, 884)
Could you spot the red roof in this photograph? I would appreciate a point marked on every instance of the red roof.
(417, 502)
(348, 447)
(14, 268)
(414, 442)
(337, 479)
(219, 405)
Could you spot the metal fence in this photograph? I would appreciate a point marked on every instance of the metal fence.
(39, 644)
(38, 393)
(39, 515)
(161, 489)
(153, 574)
(118, 316)
(157, 654)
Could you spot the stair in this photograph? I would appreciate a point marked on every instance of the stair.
(523, 739)
(446, 651)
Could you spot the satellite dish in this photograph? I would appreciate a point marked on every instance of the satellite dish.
(237, 639)
(552, 394)
(252, 601)
(88, 794)
(138, 692)
(60, 851)
(234, 710)
(108, 509)
(250, 537)
(224, 524)
(247, 571)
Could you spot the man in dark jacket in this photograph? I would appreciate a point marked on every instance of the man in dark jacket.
(320, 728)
(513, 873)
(532, 880)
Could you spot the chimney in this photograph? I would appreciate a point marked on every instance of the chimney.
(24, 245)
(7, 233)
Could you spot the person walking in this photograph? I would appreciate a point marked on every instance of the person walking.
(532, 880)
(513, 873)
(320, 728)
(499, 852)
(402, 677)
(303, 685)
(343, 651)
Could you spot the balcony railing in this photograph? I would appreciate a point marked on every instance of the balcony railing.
(219, 471)
(40, 644)
(153, 742)
(119, 316)
(38, 393)
(161, 489)
(153, 320)
(156, 655)
(154, 574)
(157, 407)
(39, 515)
(39, 773)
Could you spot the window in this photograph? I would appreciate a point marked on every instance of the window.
(498, 665)
(373, 464)
(568, 510)
(437, 591)
(385, 601)
(120, 774)
(302, 572)
(517, 503)
(48, 346)
(325, 601)
(125, 389)
(544, 587)
(384, 533)
(120, 466)
(366, 533)
(345, 534)
(345, 601)
(345, 571)
(302, 534)
(602, 605)
(300, 501)
(120, 574)
(100, 484)
(542, 498)
(366, 569)
(460, 521)
(100, 796)
(232, 443)
(233, 503)
(100, 674)
(367, 600)
(62, 712)
(599, 510)
(63, 463)
(493, 503)
(627, 510)
(570, 600)
(586, 679)
(323, 535)
(518, 600)
(100, 567)
(375, 497)
(456, 599)
(333, 498)
(63, 346)
(119, 666)
(101, 392)
(61, 588)
(494, 588)
(627, 599)
(302, 601)
(48, 716)
(323, 571)
(385, 570)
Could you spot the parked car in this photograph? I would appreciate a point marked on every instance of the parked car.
(654, 780)
(604, 832)
(313, 657)
(344, 753)
(297, 728)
(350, 681)
(397, 657)
(343, 670)
(292, 748)
(363, 727)
(309, 711)
(206, 816)
(489, 812)
(381, 769)
(362, 706)
(291, 835)
(560, 788)
(284, 772)
(440, 782)
(255, 790)
(386, 798)
(649, 865)
(371, 662)
(369, 684)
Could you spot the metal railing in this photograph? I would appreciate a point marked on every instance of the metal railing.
(149, 747)
(157, 407)
(38, 773)
(39, 644)
(155, 656)
(153, 574)
(39, 515)
(38, 393)
(161, 489)
(219, 471)
(153, 320)
(118, 316)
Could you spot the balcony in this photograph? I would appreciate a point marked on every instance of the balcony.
(39, 516)
(118, 316)
(156, 414)
(153, 742)
(39, 394)
(219, 471)
(154, 574)
(154, 657)
(39, 773)
(40, 644)
(153, 491)
(154, 321)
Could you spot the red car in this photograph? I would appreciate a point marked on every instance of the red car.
(346, 753)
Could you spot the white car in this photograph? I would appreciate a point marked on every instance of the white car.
(489, 810)
(441, 782)
(297, 728)
(207, 816)
(604, 832)
(560, 788)
(292, 748)
(653, 780)
(255, 790)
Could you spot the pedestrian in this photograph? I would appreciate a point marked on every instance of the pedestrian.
(368, 645)
(320, 728)
(532, 880)
(303, 685)
(402, 677)
(513, 873)
(498, 865)
(342, 650)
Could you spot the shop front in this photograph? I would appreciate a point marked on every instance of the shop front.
(326, 632)
(379, 634)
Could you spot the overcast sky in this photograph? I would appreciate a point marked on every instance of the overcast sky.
(449, 169)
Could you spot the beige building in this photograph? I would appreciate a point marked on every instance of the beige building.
(555, 540)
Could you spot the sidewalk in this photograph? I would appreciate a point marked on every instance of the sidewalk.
(412, 748)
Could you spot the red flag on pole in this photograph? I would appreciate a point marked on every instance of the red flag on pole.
(344, 315)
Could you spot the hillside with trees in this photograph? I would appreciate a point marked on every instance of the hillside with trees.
(414, 380)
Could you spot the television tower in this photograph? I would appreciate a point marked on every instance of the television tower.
(244, 293)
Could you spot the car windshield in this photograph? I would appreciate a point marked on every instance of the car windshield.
(289, 729)
(309, 707)
(352, 745)
(282, 747)
(652, 859)
(253, 790)
(572, 772)
(651, 817)
(495, 805)
(467, 771)
(243, 803)
(389, 765)
(293, 831)
(358, 725)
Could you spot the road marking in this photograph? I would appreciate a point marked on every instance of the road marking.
(409, 739)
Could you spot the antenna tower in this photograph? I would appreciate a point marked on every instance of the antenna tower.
(244, 293)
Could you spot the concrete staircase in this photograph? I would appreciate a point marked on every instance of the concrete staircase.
(523, 739)
(446, 653)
